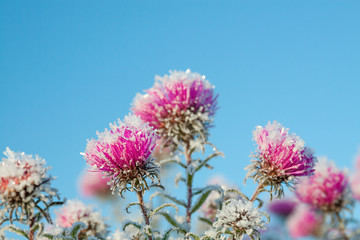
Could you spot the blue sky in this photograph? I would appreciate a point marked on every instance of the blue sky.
(69, 68)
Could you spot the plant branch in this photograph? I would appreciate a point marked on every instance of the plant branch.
(143, 209)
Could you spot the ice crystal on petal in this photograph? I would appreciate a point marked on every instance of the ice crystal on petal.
(281, 157)
(304, 221)
(76, 211)
(125, 153)
(180, 106)
(326, 190)
(239, 217)
(24, 185)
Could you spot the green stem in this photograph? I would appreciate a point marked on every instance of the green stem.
(143, 209)
(188, 184)
(341, 226)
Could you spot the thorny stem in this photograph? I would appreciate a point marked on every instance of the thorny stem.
(188, 183)
(257, 192)
(341, 226)
(143, 209)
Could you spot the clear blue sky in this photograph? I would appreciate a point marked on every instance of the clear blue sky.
(68, 68)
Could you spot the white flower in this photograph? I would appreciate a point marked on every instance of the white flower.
(240, 217)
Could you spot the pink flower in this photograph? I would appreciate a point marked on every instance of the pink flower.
(304, 222)
(124, 153)
(326, 189)
(282, 207)
(281, 157)
(76, 211)
(180, 106)
(94, 184)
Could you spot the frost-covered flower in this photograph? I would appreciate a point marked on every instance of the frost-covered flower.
(76, 211)
(94, 184)
(24, 186)
(326, 190)
(213, 202)
(304, 221)
(238, 217)
(180, 106)
(124, 153)
(281, 157)
(282, 207)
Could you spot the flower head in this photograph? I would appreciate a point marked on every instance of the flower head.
(304, 221)
(94, 183)
(281, 157)
(282, 207)
(76, 211)
(326, 190)
(239, 217)
(180, 106)
(124, 153)
(355, 186)
(24, 185)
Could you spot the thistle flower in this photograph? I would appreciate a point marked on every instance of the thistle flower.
(281, 158)
(238, 217)
(76, 211)
(94, 184)
(24, 187)
(282, 207)
(180, 106)
(124, 154)
(326, 190)
(304, 221)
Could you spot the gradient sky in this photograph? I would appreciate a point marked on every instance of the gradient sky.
(69, 68)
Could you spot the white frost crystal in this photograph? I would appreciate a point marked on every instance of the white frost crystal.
(239, 216)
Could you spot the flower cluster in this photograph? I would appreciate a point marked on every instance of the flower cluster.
(24, 186)
(124, 153)
(281, 157)
(326, 190)
(304, 222)
(76, 211)
(180, 106)
(237, 218)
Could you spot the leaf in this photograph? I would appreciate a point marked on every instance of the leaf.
(168, 232)
(172, 221)
(205, 193)
(164, 206)
(203, 163)
(238, 192)
(130, 205)
(18, 231)
(128, 223)
(193, 235)
(174, 199)
(165, 161)
(76, 228)
(206, 220)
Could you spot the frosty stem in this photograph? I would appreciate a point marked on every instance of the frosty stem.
(257, 192)
(31, 233)
(189, 181)
(143, 209)
(341, 226)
